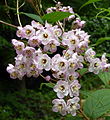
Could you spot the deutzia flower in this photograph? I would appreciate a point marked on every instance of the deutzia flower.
(28, 51)
(36, 25)
(20, 32)
(59, 64)
(43, 62)
(59, 106)
(60, 75)
(74, 88)
(70, 40)
(52, 46)
(67, 54)
(29, 31)
(104, 65)
(19, 46)
(61, 88)
(34, 41)
(45, 36)
(89, 55)
(14, 73)
(70, 77)
(95, 66)
(72, 105)
(78, 24)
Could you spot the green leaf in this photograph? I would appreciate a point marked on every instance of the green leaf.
(97, 104)
(86, 93)
(56, 16)
(105, 77)
(50, 85)
(101, 40)
(82, 71)
(89, 2)
(33, 16)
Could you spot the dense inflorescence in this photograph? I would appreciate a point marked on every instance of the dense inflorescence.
(34, 56)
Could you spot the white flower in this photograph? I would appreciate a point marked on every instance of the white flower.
(73, 106)
(59, 63)
(45, 36)
(61, 88)
(19, 46)
(95, 65)
(59, 106)
(71, 76)
(34, 41)
(89, 55)
(43, 62)
(74, 88)
(29, 31)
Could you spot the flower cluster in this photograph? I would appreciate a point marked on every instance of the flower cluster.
(37, 52)
(96, 64)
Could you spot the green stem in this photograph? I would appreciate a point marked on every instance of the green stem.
(83, 114)
(17, 7)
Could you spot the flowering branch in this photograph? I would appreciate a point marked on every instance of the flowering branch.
(32, 59)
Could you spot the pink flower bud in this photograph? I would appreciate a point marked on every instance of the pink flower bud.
(47, 78)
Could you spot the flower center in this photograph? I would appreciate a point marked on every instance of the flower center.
(62, 88)
(75, 88)
(52, 45)
(82, 48)
(61, 75)
(73, 42)
(45, 35)
(73, 106)
(67, 55)
(72, 65)
(33, 66)
(71, 77)
(21, 66)
(28, 31)
(13, 74)
(60, 106)
(28, 52)
(96, 65)
(34, 41)
(19, 47)
(61, 64)
(44, 61)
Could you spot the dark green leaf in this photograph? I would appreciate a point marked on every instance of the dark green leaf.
(56, 16)
(33, 16)
(105, 77)
(97, 104)
(89, 2)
